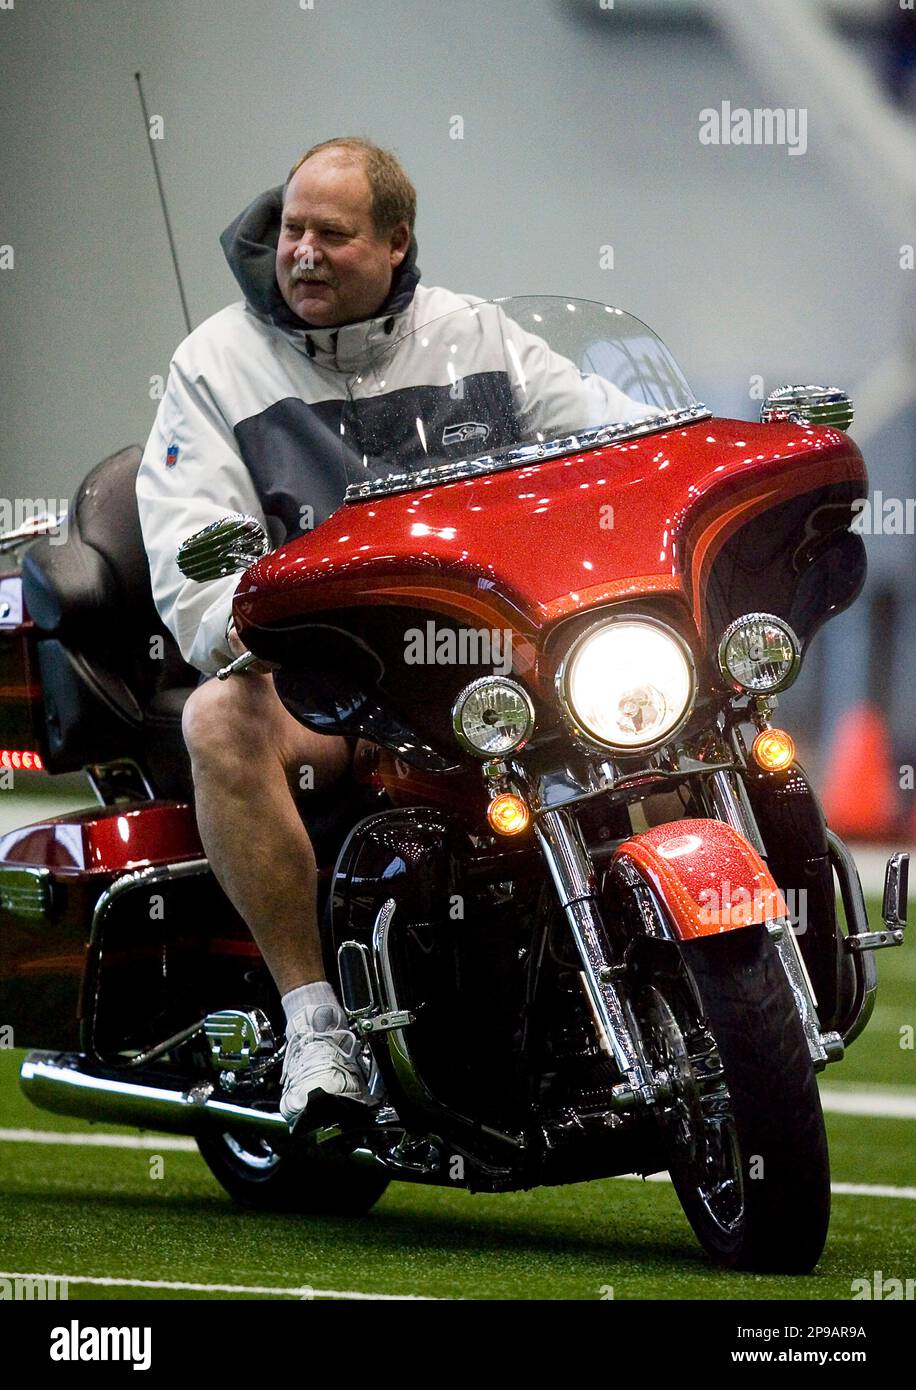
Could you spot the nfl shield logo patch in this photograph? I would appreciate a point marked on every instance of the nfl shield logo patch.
(171, 456)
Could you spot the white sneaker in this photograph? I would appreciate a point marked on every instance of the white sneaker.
(320, 1061)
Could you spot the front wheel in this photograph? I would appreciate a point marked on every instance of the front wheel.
(748, 1147)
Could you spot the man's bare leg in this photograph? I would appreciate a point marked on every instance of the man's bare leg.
(246, 755)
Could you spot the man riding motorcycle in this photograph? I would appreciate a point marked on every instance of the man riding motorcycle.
(251, 422)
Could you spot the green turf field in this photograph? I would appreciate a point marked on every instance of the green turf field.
(98, 1212)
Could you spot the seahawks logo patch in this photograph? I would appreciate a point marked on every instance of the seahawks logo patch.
(465, 432)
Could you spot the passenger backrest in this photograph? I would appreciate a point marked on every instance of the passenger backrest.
(91, 599)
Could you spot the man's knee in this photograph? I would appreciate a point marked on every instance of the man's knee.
(225, 715)
(239, 727)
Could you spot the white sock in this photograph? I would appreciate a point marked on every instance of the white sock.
(300, 1006)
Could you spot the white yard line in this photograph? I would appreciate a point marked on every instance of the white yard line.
(862, 1189)
(879, 1103)
(156, 1142)
(305, 1292)
(839, 1189)
(864, 1100)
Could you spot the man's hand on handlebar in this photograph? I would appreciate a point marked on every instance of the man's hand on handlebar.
(238, 648)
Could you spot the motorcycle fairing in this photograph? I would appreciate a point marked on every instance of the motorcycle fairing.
(673, 500)
(799, 540)
(707, 876)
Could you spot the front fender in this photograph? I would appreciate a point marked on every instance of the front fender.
(710, 879)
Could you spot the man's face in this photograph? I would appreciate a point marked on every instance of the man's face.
(326, 212)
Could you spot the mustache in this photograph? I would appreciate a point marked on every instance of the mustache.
(303, 273)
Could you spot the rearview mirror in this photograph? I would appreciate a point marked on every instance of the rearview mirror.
(227, 546)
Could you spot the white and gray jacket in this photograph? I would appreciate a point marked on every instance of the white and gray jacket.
(266, 415)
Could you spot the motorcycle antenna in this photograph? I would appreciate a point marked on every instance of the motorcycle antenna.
(165, 210)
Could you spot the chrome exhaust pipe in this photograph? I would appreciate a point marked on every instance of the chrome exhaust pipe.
(69, 1084)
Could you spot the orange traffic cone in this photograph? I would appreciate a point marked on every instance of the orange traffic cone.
(860, 790)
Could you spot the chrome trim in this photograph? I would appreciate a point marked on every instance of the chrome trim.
(574, 879)
(236, 666)
(46, 523)
(237, 1038)
(731, 805)
(226, 546)
(68, 1084)
(409, 1078)
(380, 929)
(462, 700)
(833, 1046)
(873, 941)
(383, 1023)
(786, 945)
(141, 1059)
(392, 1016)
(654, 921)
(262, 1162)
(111, 781)
(777, 622)
(896, 885)
(397, 1044)
(524, 455)
(808, 405)
(893, 909)
(590, 741)
(854, 909)
(389, 1162)
(360, 952)
(135, 878)
(26, 890)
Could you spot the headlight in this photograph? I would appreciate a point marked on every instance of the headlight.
(759, 653)
(627, 683)
(493, 717)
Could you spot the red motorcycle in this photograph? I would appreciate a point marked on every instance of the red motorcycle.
(579, 899)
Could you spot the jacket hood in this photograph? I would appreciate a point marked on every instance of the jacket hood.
(250, 246)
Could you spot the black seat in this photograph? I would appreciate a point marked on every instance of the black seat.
(113, 679)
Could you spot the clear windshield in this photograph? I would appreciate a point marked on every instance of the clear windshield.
(501, 382)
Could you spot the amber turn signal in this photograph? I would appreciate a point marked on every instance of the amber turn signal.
(508, 814)
(773, 749)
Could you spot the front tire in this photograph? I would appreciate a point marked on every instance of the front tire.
(749, 1152)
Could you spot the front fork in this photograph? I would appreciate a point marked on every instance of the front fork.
(564, 850)
(574, 878)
